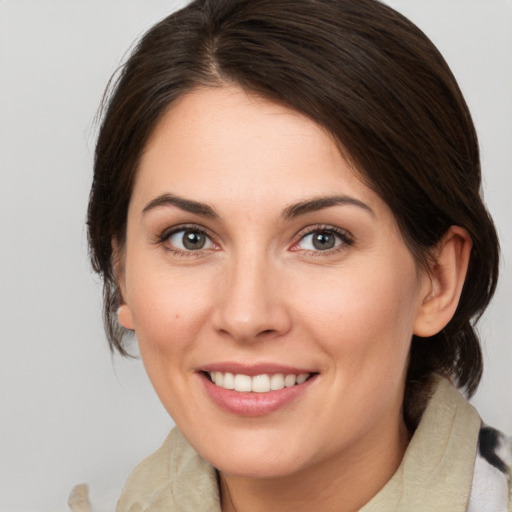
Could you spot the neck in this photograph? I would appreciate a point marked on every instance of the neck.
(344, 484)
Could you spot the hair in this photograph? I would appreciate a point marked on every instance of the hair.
(363, 72)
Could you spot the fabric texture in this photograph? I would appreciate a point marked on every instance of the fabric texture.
(446, 468)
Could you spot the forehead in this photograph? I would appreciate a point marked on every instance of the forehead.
(223, 144)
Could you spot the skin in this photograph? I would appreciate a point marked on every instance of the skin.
(259, 291)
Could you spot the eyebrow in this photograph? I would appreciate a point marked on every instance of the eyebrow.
(319, 203)
(187, 205)
(292, 211)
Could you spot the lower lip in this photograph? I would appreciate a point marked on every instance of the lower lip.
(253, 404)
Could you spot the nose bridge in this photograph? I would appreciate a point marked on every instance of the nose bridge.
(250, 303)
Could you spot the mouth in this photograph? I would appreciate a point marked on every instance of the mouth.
(255, 390)
(262, 383)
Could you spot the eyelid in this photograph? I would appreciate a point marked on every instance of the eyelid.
(163, 239)
(167, 232)
(345, 236)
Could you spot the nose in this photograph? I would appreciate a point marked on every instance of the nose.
(250, 304)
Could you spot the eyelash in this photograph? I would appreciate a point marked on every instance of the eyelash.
(344, 236)
(163, 239)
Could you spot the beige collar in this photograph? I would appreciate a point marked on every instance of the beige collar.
(435, 474)
(437, 470)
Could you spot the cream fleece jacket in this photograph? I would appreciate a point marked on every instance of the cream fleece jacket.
(441, 470)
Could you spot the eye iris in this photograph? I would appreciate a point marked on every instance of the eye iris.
(193, 240)
(324, 240)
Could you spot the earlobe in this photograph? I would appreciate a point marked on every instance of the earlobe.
(124, 314)
(124, 317)
(447, 275)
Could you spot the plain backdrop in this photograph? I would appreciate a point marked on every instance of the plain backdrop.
(69, 412)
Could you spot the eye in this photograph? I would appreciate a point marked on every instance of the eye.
(324, 239)
(190, 239)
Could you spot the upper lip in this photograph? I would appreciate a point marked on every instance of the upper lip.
(254, 369)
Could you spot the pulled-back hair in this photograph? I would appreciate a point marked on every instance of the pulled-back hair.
(360, 70)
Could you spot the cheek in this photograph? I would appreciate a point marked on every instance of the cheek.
(364, 318)
(169, 314)
(168, 309)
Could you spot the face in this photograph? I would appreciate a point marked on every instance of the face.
(256, 259)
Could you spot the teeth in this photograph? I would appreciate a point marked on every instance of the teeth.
(242, 383)
(290, 380)
(303, 377)
(257, 384)
(277, 381)
(229, 381)
(260, 384)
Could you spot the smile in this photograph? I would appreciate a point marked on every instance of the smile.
(263, 383)
(255, 390)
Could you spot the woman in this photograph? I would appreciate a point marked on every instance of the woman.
(286, 212)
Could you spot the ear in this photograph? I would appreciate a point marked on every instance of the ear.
(124, 313)
(447, 275)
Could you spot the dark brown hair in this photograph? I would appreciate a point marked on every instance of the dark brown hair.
(359, 69)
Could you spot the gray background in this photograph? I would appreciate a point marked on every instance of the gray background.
(69, 413)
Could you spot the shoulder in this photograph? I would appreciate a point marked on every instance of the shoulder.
(491, 489)
(173, 478)
(491, 482)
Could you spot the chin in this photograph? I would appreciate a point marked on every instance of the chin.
(255, 458)
(257, 468)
